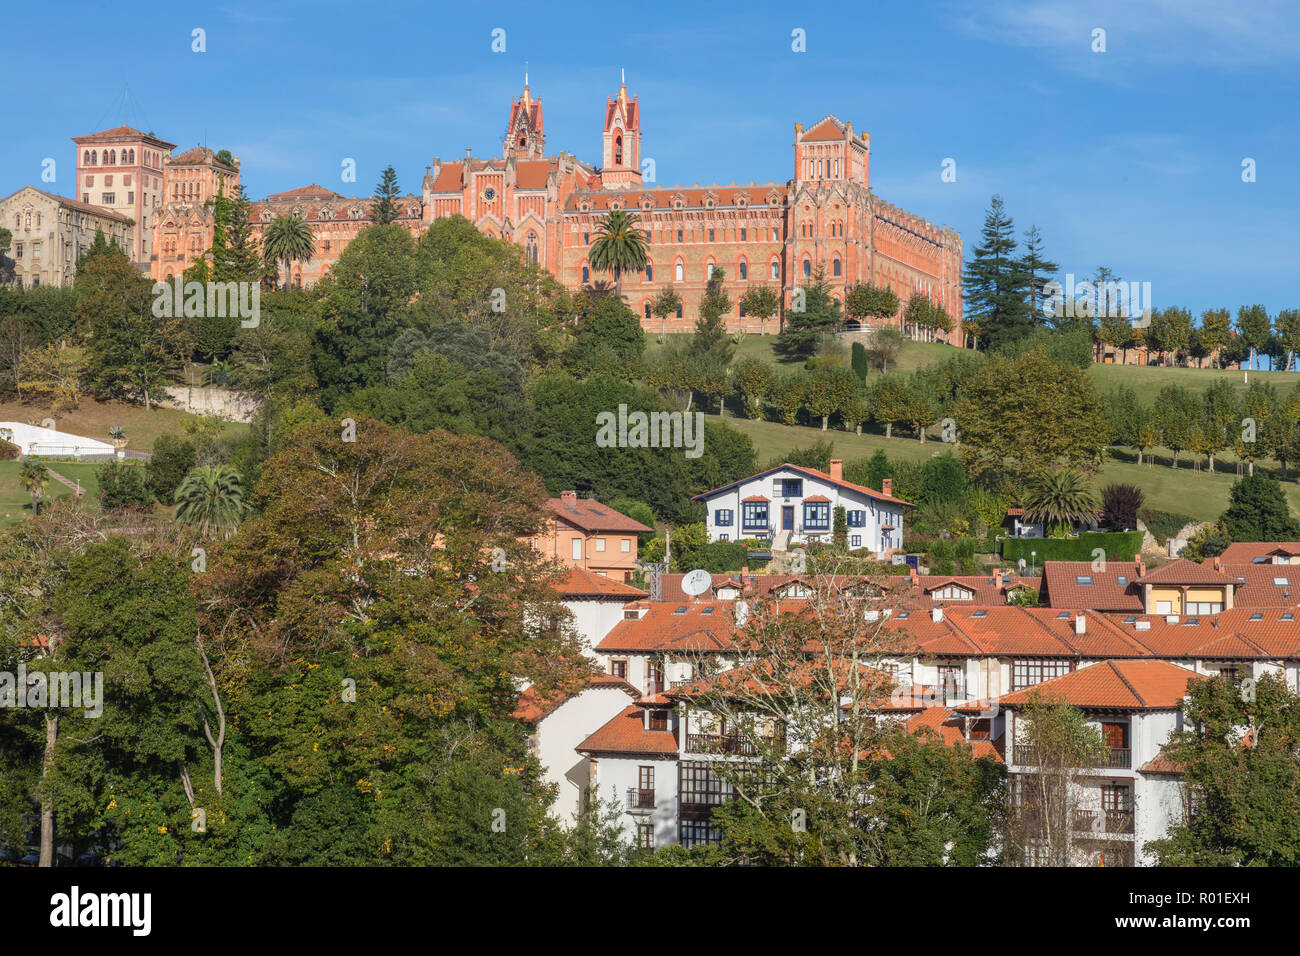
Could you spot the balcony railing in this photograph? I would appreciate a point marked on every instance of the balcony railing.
(728, 744)
(638, 799)
(1103, 821)
(1116, 758)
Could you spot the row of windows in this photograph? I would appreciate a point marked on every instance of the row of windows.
(107, 157)
(625, 546)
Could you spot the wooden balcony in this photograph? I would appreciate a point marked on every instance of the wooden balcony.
(638, 799)
(729, 745)
(1104, 821)
(1116, 758)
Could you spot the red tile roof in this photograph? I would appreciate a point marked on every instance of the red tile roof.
(307, 192)
(1061, 587)
(199, 155)
(753, 194)
(581, 583)
(533, 174)
(702, 626)
(1245, 552)
(829, 128)
(1114, 685)
(948, 726)
(532, 707)
(1162, 764)
(626, 734)
(811, 473)
(120, 133)
(590, 515)
(1182, 571)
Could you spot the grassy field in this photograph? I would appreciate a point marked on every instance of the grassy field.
(1182, 490)
(1148, 380)
(92, 420)
(16, 504)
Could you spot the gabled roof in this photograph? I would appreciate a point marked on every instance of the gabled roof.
(1245, 552)
(828, 128)
(588, 514)
(533, 708)
(1163, 765)
(698, 626)
(752, 194)
(1114, 685)
(1182, 571)
(627, 734)
(1107, 592)
(120, 133)
(809, 473)
(581, 583)
(72, 204)
(312, 191)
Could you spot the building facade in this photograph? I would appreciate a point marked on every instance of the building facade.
(183, 224)
(122, 170)
(50, 233)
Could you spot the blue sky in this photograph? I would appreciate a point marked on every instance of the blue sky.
(1129, 158)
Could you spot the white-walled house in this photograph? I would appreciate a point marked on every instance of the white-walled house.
(562, 722)
(633, 762)
(596, 602)
(1135, 794)
(791, 504)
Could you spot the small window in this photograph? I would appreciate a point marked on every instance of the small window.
(626, 546)
(600, 545)
(618, 669)
(1063, 616)
(1083, 579)
(1288, 616)
(855, 541)
(1257, 616)
(577, 549)
(1122, 580)
(681, 609)
(981, 613)
(706, 610)
(724, 517)
(1282, 582)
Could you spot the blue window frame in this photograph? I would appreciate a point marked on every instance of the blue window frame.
(789, 487)
(753, 515)
(856, 519)
(855, 541)
(723, 517)
(817, 515)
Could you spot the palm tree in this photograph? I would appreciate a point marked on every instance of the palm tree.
(620, 246)
(287, 239)
(34, 477)
(210, 497)
(1060, 497)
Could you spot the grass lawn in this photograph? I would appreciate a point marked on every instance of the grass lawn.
(1182, 490)
(753, 345)
(1148, 380)
(92, 420)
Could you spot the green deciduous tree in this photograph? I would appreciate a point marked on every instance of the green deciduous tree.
(1258, 511)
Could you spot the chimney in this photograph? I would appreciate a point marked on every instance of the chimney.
(568, 497)
(1218, 563)
(887, 486)
(467, 161)
(915, 579)
(1142, 568)
(744, 572)
(837, 469)
(997, 577)
(1080, 624)
(936, 613)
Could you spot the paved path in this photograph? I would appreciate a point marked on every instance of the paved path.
(76, 487)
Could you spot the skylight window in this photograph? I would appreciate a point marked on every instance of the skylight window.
(981, 613)
(1282, 582)
(1122, 579)
(680, 610)
(706, 610)
(1257, 616)
(1130, 619)
(1259, 560)
(1192, 620)
(1083, 579)
(1063, 616)
(1288, 616)
(902, 615)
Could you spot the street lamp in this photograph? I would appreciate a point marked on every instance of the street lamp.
(1033, 564)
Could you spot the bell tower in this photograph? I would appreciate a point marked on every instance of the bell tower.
(525, 133)
(621, 162)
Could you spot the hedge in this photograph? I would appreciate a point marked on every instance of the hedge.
(1118, 546)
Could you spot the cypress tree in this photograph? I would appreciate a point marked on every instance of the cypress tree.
(995, 282)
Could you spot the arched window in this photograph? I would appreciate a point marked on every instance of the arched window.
(112, 157)
(85, 158)
(679, 310)
(523, 139)
(647, 310)
(776, 269)
(835, 267)
(531, 247)
(618, 150)
(709, 271)
(679, 272)
(94, 158)
(807, 267)
(744, 269)
(132, 160)
(649, 272)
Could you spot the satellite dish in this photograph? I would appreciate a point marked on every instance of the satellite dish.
(697, 582)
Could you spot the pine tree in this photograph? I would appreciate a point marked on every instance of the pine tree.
(805, 327)
(1038, 272)
(383, 210)
(995, 282)
(234, 257)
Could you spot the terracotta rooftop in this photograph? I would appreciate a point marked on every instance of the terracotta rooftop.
(810, 473)
(1182, 571)
(626, 734)
(700, 626)
(1247, 552)
(828, 128)
(948, 726)
(1076, 584)
(74, 204)
(590, 515)
(120, 133)
(581, 583)
(532, 707)
(1162, 764)
(1114, 685)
